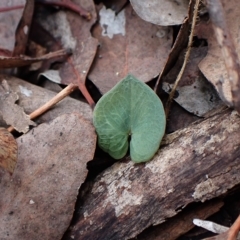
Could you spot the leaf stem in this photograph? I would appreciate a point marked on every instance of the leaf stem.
(194, 20)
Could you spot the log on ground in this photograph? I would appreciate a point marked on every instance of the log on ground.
(197, 163)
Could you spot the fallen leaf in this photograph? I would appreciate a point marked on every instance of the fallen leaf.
(39, 200)
(180, 43)
(161, 12)
(8, 23)
(23, 28)
(213, 65)
(131, 108)
(194, 92)
(8, 151)
(127, 44)
(13, 114)
(74, 32)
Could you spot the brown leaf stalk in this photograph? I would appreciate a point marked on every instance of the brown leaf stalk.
(172, 93)
(69, 5)
(61, 95)
(7, 9)
(82, 86)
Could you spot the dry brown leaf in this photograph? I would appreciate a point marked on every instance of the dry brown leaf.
(8, 150)
(194, 92)
(38, 201)
(162, 12)
(128, 44)
(74, 32)
(23, 28)
(12, 113)
(213, 66)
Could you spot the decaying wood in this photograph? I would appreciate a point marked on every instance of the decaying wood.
(200, 163)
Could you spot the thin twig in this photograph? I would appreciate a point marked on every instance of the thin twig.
(61, 95)
(7, 9)
(194, 20)
(69, 5)
(82, 86)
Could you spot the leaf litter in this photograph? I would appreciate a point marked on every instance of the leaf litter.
(12, 113)
(126, 44)
(38, 201)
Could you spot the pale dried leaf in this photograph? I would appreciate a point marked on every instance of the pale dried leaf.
(8, 23)
(213, 65)
(13, 114)
(38, 201)
(161, 12)
(74, 32)
(194, 92)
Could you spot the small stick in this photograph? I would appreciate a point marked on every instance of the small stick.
(69, 5)
(234, 230)
(6, 9)
(61, 95)
(81, 85)
(194, 20)
(64, 3)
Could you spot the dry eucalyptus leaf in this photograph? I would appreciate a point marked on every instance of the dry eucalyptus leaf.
(74, 32)
(23, 29)
(213, 65)
(8, 151)
(128, 44)
(8, 23)
(161, 12)
(194, 92)
(13, 114)
(39, 200)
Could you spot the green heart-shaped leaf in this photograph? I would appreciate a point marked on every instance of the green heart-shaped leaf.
(130, 108)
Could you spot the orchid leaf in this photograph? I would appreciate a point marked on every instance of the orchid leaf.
(130, 109)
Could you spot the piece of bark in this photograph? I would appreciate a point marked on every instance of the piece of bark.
(31, 97)
(182, 223)
(197, 163)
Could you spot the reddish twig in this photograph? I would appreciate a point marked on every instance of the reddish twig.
(60, 3)
(69, 5)
(7, 9)
(82, 86)
(61, 95)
